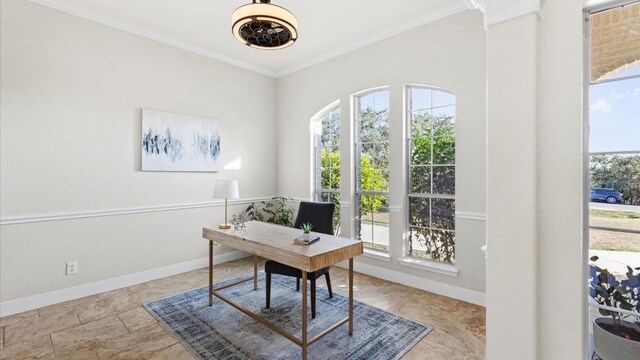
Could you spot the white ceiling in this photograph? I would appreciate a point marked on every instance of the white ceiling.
(327, 28)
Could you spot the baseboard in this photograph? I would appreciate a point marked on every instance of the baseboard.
(417, 282)
(54, 297)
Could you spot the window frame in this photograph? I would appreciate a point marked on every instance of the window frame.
(316, 169)
(356, 156)
(449, 268)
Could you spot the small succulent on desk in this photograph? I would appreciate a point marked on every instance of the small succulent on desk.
(306, 228)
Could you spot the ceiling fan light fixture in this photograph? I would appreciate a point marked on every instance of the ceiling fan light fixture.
(264, 25)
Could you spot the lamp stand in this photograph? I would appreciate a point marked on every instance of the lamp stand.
(225, 225)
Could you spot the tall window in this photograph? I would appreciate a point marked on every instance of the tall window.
(327, 159)
(372, 169)
(431, 178)
(613, 156)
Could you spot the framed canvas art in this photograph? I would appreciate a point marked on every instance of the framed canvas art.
(177, 142)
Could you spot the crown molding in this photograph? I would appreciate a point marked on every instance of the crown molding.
(476, 4)
(499, 11)
(423, 20)
(150, 34)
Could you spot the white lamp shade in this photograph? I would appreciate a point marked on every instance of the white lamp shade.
(226, 189)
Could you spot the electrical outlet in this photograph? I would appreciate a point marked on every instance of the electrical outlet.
(72, 267)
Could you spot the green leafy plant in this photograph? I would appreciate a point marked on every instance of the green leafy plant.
(606, 290)
(274, 211)
(306, 228)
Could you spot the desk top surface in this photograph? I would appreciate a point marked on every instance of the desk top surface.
(275, 242)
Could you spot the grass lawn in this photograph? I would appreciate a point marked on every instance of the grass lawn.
(614, 241)
(613, 214)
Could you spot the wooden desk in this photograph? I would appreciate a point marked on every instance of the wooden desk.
(275, 242)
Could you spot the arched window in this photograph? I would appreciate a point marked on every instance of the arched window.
(372, 168)
(431, 116)
(326, 150)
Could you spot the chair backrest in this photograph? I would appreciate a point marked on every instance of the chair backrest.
(318, 214)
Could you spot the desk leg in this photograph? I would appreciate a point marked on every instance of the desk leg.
(210, 272)
(255, 272)
(351, 296)
(304, 315)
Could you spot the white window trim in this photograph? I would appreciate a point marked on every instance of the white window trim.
(376, 254)
(414, 261)
(373, 253)
(315, 191)
(429, 265)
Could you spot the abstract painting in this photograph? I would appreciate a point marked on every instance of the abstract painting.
(176, 142)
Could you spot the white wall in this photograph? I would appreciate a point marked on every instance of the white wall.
(71, 93)
(511, 191)
(449, 53)
(562, 256)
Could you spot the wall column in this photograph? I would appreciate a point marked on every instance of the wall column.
(511, 188)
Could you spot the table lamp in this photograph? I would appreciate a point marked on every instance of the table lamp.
(225, 189)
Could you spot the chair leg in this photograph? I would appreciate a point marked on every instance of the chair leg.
(268, 289)
(297, 284)
(313, 298)
(328, 278)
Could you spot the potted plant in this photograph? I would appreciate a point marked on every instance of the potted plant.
(273, 211)
(306, 231)
(615, 338)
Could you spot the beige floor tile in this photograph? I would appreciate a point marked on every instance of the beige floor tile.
(38, 347)
(155, 293)
(127, 291)
(191, 280)
(87, 335)
(172, 282)
(137, 319)
(106, 306)
(37, 326)
(442, 345)
(459, 327)
(136, 345)
(79, 354)
(65, 306)
(16, 318)
(173, 352)
(472, 318)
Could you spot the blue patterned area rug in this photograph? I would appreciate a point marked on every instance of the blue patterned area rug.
(222, 332)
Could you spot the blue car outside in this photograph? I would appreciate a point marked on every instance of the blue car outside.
(607, 195)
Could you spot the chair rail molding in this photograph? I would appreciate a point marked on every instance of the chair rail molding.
(25, 219)
(464, 215)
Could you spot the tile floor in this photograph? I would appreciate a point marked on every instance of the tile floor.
(114, 325)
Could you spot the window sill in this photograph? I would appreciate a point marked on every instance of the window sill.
(377, 254)
(429, 265)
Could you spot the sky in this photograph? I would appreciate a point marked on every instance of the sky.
(614, 114)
